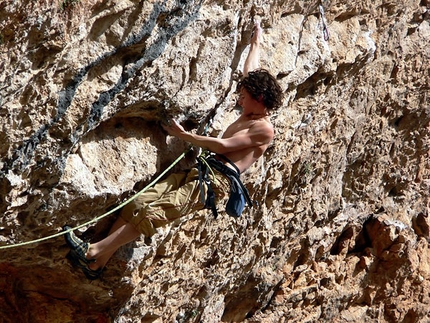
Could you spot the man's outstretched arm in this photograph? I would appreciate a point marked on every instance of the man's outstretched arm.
(257, 135)
(252, 62)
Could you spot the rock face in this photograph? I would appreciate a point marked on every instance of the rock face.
(341, 230)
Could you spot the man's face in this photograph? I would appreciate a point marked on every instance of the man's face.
(245, 99)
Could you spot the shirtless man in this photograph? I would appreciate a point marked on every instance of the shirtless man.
(243, 142)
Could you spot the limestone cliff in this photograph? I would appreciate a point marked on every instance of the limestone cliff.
(341, 231)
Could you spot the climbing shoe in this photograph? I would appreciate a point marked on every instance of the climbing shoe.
(77, 262)
(79, 247)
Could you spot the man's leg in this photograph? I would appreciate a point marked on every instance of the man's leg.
(252, 62)
(123, 232)
(120, 234)
(178, 195)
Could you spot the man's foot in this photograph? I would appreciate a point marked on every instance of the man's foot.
(78, 262)
(79, 247)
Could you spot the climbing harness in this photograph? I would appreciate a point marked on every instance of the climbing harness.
(239, 195)
(103, 215)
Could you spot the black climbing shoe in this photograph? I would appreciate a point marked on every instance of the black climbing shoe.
(79, 247)
(77, 262)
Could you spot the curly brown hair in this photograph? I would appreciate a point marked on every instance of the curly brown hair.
(260, 84)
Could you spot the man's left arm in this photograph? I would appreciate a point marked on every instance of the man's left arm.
(259, 134)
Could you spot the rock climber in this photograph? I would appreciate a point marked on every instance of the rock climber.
(243, 142)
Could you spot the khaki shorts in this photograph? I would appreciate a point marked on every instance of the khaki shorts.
(176, 196)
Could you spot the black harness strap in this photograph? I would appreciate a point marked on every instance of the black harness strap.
(230, 173)
(233, 175)
(209, 202)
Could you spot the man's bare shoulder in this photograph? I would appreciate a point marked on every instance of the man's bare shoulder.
(263, 126)
(254, 127)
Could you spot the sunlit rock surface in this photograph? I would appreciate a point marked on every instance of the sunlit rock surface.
(341, 231)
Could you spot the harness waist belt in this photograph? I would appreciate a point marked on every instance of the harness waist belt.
(221, 167)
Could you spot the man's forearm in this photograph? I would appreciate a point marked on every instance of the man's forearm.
(216, 145)
(211, 143)
(252, 61)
